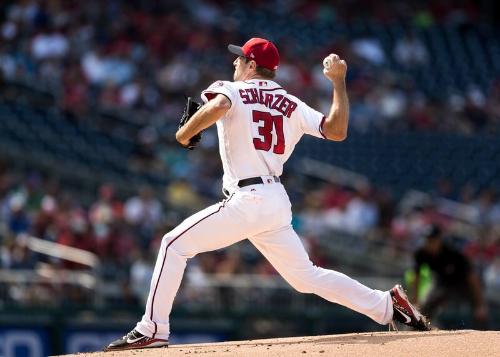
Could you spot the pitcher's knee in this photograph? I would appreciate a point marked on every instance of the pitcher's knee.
(167, 238)
(177, 247)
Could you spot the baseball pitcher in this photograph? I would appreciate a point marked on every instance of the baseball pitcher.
(258, 125)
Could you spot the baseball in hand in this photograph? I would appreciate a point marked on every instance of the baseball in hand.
(327, 62)
(334, 68)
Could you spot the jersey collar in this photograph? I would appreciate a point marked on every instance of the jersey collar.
(270, 82)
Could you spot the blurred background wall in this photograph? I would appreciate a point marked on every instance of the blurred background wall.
(91, 178)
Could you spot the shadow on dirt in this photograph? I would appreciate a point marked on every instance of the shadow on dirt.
(381, 338)
(349, 339)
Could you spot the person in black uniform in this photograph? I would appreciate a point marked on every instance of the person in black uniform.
(454, 274)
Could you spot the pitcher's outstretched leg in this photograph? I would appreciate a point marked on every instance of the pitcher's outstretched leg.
(285, 252)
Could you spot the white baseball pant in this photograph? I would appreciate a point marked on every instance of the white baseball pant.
(262, 213)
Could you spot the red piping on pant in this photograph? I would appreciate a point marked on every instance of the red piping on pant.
(165, 258)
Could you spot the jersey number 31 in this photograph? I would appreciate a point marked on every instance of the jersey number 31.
(267, 123)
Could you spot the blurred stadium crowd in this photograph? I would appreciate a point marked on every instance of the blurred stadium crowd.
(408, 62)
(413, 66)
(125, 233)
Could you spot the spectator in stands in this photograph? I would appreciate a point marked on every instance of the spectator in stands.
(75, 91)
(8, 65)
(94, 66)
(365, 112)
(409, 51)
(362, 210)
(105, 211)
(144, 212)
(17, 255)
(76, 233)
(485, 207)
(475, 109)
(492, 277)
(141, 272)
(144, 208)
(45, 218)
(49, 45)
(357, 216)
(454, 274)
(392, 102)
(484, 249)
(370, 49)
(18, 220)
(229, 264)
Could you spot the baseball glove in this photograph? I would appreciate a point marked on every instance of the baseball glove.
(190, 108)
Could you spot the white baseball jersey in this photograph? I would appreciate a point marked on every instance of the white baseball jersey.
(256, 137)
(259, 132)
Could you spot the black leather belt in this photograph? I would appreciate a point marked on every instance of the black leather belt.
(256, 181)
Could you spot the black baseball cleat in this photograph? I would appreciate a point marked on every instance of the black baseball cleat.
(405, 312)
(135, 340)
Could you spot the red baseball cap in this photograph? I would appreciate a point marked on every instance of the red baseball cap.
(262, 51)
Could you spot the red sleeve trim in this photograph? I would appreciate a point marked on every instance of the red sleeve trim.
(321, 127)
(210, 95)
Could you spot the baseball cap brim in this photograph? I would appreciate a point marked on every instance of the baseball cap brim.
(237, 50)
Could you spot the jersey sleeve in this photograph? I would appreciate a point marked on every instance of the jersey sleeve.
(219, 87)
(312, 121)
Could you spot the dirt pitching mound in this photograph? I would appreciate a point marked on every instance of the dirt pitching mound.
(433, 343)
